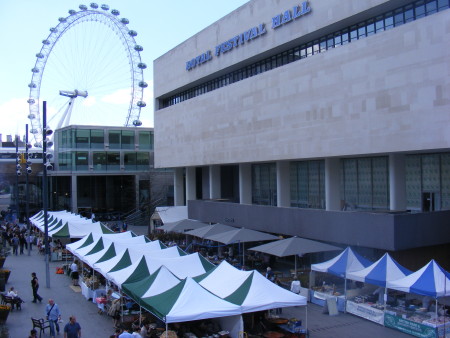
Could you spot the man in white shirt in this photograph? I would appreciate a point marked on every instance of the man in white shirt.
(74, 273)
(295, 285)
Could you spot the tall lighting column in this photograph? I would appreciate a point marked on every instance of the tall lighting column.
(27, 191)
(47, 166)
(18, 173)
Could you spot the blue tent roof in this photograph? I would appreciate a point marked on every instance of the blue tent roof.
(431, 280)
(341, 265)
(383, 270)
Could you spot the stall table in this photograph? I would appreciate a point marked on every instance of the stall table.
(366, 310)
(320, 298)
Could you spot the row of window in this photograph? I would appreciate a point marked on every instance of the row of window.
(104, 161)
(364, 183)
(97, 138)
(389, 20)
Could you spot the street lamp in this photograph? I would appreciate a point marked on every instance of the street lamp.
(47, 166)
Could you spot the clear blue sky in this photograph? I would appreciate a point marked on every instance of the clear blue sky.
(161, 25)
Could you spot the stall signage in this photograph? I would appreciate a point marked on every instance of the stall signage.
(366, 312)
(409, 327)
(250, 34)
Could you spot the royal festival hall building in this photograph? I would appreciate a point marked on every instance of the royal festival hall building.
(328, 120)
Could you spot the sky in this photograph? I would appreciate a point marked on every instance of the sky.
(161, 26)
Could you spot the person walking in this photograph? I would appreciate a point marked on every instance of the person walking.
(74, 272)
(53, 315)
(15, 244)
(35, 287)
(22, 243)
(72, 328)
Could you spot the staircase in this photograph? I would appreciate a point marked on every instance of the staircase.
(137, 217)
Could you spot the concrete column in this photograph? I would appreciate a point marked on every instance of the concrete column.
(245, 183)
(74, 194)
(191, 190)
(178, 186)
(397, 182)
(136, 189)
(214, 182)
(332, 184)
(283, 186)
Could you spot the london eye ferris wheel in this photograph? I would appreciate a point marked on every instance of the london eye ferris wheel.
(89, 70)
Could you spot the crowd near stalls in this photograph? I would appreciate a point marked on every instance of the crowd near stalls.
(147, 285)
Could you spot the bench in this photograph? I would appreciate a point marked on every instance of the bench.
(11, 301)
(41, 324)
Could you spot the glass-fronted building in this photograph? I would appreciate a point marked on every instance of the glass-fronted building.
(321, 119)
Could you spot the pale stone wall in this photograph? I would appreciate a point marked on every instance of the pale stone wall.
(382, 94)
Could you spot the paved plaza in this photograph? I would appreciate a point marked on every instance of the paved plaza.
(70, 302)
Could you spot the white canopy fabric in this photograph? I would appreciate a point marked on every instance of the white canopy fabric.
(249, 289)
(342, 264)
(188, 301)
(210, 230)
(379, 273)
(431, 280)
(182, 226)
(171, 214)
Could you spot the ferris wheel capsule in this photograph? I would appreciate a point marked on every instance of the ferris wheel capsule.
(40, 55)
(83, 7)
(137, 123)
(72, 11)
(132, 33)
(35, 70)
(31, 116)
(138, 48)
(125, 21)
(115, 12)
(31, 101)
(142, 65)
(46, 42)
(62, 19)
(141, 104)
(143, 84)
(94, 5)
(105, 7)
(53, 30)
(32, 85)
(34, 131)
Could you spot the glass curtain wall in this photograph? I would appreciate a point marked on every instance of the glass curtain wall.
(307, 182)
(146, 140)
(127, 139)
(264, 184)
(428, 178)
(97, 139)
(365, 183)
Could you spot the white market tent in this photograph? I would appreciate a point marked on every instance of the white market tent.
(170, 214)
(431, 280)
(379, 273)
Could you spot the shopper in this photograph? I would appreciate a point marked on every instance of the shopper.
(35, 287)
(53, 315)
(72, 328)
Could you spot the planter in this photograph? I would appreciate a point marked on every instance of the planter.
(4, 312)
(4, 274)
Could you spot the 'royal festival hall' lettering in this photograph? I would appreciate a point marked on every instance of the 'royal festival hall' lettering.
(252, 33)
(240, 39)
(198, 60)
(289, 15)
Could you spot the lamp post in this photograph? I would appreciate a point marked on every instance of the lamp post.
(27, 191)
(47, 166)
(18, 173)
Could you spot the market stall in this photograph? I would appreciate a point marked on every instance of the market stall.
(417, 308)
(327, 286)
(369, 301)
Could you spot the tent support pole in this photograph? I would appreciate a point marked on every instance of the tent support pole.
(345, 294)
(140, 315)
(295, 267)
(306, 318)
(167, 328)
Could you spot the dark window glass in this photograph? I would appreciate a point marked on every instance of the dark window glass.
(323, 45)
(442, 4)
(114, 139)
(398, 18)
(82, 138)
(431, 7)
(409, 13)
(296, 53)
(97, 139)
(353, 33)
(330, 41)
(370, 27)
(420, 9)
(389, 21)
(361, 30)
(113, 159)
(316, 48)
(81, 160)
(337, 39)
(99, 161)
(379, 24)
(309, 49)
(303, 52)
(345, 37)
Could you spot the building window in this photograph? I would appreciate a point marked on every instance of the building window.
(99, 160)
(82, 138)
(97, 139)
(365, 183)
(113, 161)
(81, 160)
(127, 139)
(129, 160)
(142, 161)
(264, 184)
(146, 140)
(114, 139)
(307, 182)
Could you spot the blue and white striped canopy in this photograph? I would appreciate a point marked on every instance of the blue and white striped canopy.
(383, 270)
(341, 265)
(431, 280)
